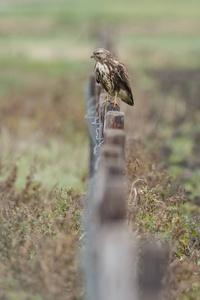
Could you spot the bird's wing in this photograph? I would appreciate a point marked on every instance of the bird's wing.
(123, 75)
(97, 77)
(97, 74)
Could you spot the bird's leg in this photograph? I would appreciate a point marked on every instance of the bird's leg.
(107, 99)
(115, 101)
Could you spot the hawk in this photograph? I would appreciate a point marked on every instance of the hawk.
(113, 76)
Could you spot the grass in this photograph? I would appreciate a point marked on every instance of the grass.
(35, 111)
(56, 153)
(44, 61)
(57, 31)
(140, 10)
(38, 241)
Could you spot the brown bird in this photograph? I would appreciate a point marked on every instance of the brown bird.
(113, 76)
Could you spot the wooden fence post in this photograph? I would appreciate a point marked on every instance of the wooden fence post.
(98, 92)
(110, 197)
(90, 97)
(115, 263)
(114, 119)
(104, 108)
(111, 154)
(113, 250)
(114, 137)
(151, 263)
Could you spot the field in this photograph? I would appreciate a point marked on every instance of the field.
(45, 53)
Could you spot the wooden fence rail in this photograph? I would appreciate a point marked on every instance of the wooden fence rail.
(111, 260)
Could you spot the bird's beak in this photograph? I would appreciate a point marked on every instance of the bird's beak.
(92, 56)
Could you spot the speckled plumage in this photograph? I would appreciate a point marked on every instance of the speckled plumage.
(112, 75)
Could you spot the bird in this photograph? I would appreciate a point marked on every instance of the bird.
(113, 76)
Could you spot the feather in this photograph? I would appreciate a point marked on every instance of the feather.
(112, 75)
(123, 75)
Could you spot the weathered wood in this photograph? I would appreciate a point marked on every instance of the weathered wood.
(102, 98)
(150, 266)
(92, 82)
(110, 106)
(110, 196)
(116, 268)
(98, 91)
(112, 206)
(114, 119)
(114, 137)
(110, 154)
(104, 108)
(90, 99)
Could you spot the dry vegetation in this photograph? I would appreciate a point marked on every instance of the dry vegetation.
(39, 236)
(162, 169)
(44, 62)
(41, 233)
(156, 213)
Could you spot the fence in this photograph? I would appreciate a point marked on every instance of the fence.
(113, 269)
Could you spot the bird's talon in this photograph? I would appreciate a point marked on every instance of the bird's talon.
(115, 103)
(107, 100)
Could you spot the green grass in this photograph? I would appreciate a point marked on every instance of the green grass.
(59, 160)
(88, 9)
(49, 31)
(53, 162)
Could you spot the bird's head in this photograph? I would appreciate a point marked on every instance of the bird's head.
(101, 54)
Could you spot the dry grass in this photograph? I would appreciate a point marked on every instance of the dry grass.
(39, 241)
(40, 229)
(159, 207)
(156, 213)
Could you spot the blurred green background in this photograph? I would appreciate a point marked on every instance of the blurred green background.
(45, 49)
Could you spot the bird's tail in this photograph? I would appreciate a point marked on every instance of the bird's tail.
(127, 97)
(130, 100)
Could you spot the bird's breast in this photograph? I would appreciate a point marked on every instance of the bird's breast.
(106, 76)
(103, 68)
